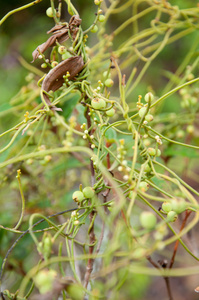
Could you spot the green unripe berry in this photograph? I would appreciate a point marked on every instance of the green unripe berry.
(110, 112)
(78, 196)
(179, 206)
(44, 65)
(97, 2)
(180, 133)
(94, 29)
(148, 220)
(106, 74)
(48, 158)
(143, 186)
(147, 168)
(166, 206)
(66, 55)
(44, 280)
(49, 12)
(148, 97)
(151, 151)
(142, 111)
(47, 247)
(139, 253)
(158, 152)
(149, 118)
(62, 50)
(30, 161)
(98, 103)
(88, 192)
(109, 82)
(101, 18)
(54, 63)
(190, 129)
(171, 216)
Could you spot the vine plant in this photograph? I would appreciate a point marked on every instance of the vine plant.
(113, 148)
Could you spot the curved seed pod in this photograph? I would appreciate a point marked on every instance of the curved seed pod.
(54, 79)
(60, 34)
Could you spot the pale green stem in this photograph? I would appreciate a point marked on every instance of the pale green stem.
(17, 10)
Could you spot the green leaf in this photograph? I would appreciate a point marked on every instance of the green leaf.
(185, 152)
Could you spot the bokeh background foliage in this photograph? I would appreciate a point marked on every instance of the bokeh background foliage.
(49, 181)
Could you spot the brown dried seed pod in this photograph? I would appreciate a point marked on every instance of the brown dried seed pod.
(54, 79)
(60, 34)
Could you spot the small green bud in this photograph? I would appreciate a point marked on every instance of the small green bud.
(148, 220)
(109, 82)
(78, 196)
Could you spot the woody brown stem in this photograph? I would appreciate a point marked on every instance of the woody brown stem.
(90, 263)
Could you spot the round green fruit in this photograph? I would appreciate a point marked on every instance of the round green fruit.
(110, 112)
(109, 82)
(179, 206)
(142, 111)
(62, 50)
(147, 168)
(78, 196)
(98, 103)
(54, 63)
(148, 97)
(143, 186)
(88, 192)
(171, 216)
(151, 151)
(94, 29)
(158, 152)
(149, 118)
(166, 206)
(148, 220)
(101, 18)
(44, 280)
(49, 12)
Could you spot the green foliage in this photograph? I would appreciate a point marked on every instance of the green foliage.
(99, 143)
